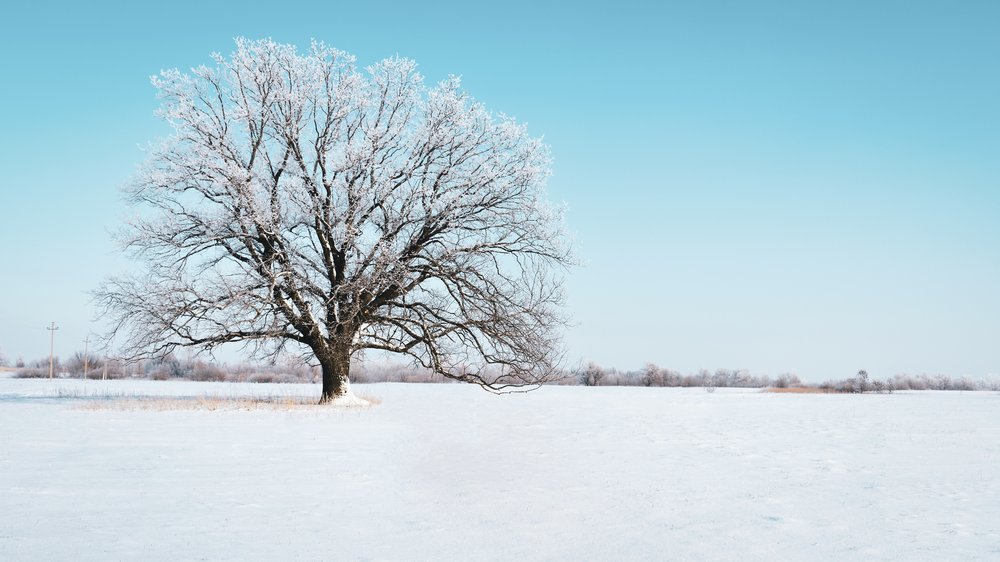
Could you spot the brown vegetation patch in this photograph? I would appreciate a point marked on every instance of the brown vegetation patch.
(799, 390)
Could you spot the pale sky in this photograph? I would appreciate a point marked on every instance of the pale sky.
(778, 186)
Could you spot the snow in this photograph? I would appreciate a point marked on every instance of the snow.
(449, 472)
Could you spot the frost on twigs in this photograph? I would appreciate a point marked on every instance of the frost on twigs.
(305, 205)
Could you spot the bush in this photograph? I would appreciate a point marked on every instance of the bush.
(159, 374)
(79, 363)
(32, 373)
(652, 376)
(859, 384)
(281, 378)
(39, 369)
(204, 372)
(263, 378)
(787, 380)
(882, 387)
(112, 369)
(591, 374)
(162, 368)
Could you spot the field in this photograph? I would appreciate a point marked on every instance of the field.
(93, 470)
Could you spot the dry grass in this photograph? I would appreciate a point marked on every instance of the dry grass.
(799, 390)
(217, 403)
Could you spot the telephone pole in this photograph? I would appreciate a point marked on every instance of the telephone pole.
(52, 345)
(86, 357)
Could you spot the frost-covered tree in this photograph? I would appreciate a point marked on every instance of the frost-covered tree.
(591, 374)
(302, 201)
(861, 381)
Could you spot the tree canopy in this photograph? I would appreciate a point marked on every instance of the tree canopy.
(302, 204)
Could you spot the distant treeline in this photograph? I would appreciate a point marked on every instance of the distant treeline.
(195, 369)
(589, 374)
(592, 374)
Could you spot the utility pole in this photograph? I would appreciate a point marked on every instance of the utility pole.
(52, 345)
(86, 357)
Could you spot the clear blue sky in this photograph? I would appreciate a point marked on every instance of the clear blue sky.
(809, 187)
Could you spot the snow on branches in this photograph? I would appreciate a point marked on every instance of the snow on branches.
(301, 199)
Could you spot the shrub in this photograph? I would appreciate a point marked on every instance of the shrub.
(265, 378)
(39, 369)
(204, 372)
(591, 374)
(162, 368)
(32, 373)
(652, 376)
(79, 363)
(787, 380)
(161, 373)
(882, 387)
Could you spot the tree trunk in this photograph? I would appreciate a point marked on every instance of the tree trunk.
(336, 366)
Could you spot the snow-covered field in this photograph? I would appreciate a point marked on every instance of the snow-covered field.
(449, 472)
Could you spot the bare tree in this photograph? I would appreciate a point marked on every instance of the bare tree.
(590, 374)
(861, 381)
(82, 361)
(301, 201)
(652, 375)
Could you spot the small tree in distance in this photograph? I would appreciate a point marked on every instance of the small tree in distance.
(590, 374)
(861, 381)
(302, 202)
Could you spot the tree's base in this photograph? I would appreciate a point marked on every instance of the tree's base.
(344, 398)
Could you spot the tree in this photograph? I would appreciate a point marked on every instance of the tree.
(302, 202)
(652, 375)
(590, 374)
(81, 363)
(861, 381)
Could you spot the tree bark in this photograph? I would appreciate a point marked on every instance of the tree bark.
(335, 363)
